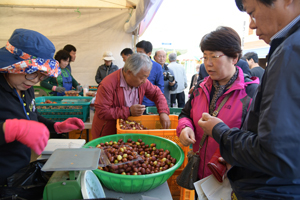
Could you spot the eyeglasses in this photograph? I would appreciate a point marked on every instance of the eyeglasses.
(32, 76)
(252, 18)
(212, 58)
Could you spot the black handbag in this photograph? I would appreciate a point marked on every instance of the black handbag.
(189, 174)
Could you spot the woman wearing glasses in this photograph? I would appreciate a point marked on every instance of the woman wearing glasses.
(26, 59)
(222, 50)
(65, 81)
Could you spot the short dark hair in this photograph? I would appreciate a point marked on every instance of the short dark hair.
(223, 39)
(62, 55)
(252, 55)
(126, 52)
(69, 48)
(239, 3)
(146, 45)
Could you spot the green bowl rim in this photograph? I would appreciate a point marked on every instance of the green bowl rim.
(172, 169)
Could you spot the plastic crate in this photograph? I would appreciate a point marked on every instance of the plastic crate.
(179, 193)
(152, 122)
(65, 107)
(153, 110)
(93, 87)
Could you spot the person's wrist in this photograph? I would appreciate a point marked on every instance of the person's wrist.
(56, 127)
(53, 88)
(163, 113)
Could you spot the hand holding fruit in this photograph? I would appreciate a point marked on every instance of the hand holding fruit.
(68, 125)
(164, 120)
(137, 110)
(33, 134)
(187, 136)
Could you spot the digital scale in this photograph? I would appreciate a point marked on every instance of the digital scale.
(72, 177)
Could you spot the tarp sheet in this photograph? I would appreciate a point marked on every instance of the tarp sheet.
(91, 31)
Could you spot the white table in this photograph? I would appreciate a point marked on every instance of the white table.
(88, 124)
(162, 192)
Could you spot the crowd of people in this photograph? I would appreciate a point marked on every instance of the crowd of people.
(246, 113)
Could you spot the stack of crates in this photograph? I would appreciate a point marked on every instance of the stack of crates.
(59, 108)
(152, 122)
(93, 87)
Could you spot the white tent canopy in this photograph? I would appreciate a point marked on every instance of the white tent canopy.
(193, 54)
(92, 26)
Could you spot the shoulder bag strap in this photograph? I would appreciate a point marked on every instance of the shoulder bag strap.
(215, 113)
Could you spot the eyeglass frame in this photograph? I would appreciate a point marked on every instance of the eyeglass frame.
(41, 78)
(252, 18)
(213, 57)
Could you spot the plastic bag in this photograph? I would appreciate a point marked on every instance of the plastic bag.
(27, 183)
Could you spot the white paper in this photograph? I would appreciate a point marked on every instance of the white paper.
(198, 188)
(210, 188)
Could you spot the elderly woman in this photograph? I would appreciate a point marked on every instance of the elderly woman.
(121, 94)
(26, 59)
(222, 50)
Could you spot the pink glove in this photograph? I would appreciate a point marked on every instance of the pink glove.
(69, 125)
(33, 134)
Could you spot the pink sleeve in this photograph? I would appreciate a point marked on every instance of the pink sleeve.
(182, 123)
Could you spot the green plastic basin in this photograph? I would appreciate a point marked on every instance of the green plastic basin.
(138, 183)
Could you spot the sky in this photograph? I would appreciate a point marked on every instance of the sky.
(184, 22)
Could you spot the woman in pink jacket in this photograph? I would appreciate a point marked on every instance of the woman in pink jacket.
(222, 50)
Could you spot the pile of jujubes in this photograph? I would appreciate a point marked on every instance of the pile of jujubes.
(131, 125)
(135, 157)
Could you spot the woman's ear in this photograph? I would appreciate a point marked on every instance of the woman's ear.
(234, 61)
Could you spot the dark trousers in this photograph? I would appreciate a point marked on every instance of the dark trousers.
(180, 99)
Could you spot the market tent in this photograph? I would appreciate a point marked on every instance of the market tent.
(191, 55)
(92, 26)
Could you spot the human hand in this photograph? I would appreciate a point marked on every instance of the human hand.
(164, 120)
(172, 83)
(137, 109)
(187, 136)
(191, 90)
(208, 122)
(223, 161)
(31, 133)
(68, 125)
(60, 89)
(228, 166)
(79, 88)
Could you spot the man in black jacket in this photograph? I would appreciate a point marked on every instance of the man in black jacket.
(264, 155)
(255, 69)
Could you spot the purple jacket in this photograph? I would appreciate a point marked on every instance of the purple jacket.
(232, 113)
